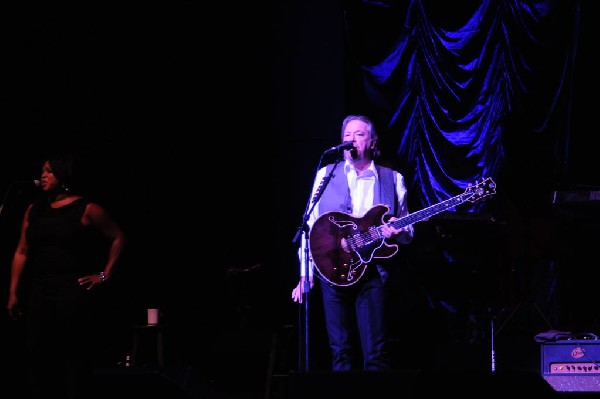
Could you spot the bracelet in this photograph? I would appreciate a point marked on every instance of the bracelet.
(102, 276)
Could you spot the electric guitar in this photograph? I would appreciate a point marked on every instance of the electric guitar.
(342, 245)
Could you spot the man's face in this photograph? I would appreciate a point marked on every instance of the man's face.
(357, 131)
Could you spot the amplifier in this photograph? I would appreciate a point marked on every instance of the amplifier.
(572, 365)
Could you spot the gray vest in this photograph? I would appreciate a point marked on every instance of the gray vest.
(336, 196)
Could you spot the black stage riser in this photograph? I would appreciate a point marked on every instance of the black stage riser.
(418, 384)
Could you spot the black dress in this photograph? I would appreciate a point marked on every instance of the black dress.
(59, 336)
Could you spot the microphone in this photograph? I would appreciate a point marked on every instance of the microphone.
(346, 145)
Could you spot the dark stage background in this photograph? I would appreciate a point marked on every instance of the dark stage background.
(210, 177)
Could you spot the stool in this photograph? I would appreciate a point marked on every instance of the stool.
(151, 333)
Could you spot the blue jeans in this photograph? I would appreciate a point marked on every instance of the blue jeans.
(356, 324)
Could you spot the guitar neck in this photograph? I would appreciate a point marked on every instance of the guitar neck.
(430, 211)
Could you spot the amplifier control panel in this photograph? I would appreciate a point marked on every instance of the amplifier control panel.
(575, 368)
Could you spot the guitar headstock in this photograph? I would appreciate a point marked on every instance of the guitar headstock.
(480, 190)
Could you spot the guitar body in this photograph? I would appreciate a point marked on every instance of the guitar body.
(342, 245)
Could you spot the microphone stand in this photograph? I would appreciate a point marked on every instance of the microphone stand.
(5, 204)
(304, 352)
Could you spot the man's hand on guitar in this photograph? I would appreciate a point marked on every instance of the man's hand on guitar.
(299, 290)
(388, 230)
